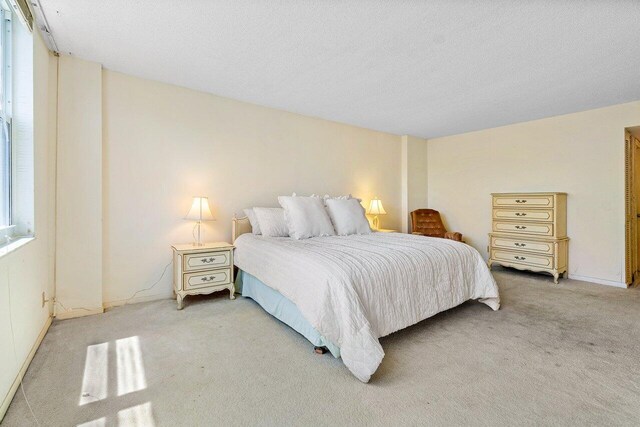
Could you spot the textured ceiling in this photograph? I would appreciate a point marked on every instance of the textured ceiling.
(424, 68)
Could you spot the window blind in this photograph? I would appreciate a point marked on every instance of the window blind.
(21, 8)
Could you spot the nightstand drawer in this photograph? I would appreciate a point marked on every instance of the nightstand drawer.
(207, 279)
(207, 260)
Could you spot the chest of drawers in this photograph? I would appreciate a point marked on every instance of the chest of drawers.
(529, 232)
(202, 269)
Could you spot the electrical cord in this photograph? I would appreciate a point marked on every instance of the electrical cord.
(70, 309)
(164, 271)
(150, 287)
(13, 338)
(193, 232)
(15, 355)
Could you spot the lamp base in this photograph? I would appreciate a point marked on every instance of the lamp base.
(198, 241)
(376, 223)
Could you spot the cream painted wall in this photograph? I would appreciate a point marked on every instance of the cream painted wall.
(164, 144)
(417, 176)
(27, 272)
(79, 189)
(581, 154)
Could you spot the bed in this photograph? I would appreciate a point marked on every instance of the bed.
(346, 292)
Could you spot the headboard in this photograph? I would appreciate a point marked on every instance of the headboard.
(239, 227)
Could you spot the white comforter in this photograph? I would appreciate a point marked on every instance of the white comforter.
(356, 289)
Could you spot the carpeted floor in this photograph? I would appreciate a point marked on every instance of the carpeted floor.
(553, 355)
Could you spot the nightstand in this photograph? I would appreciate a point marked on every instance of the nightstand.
(202, 269)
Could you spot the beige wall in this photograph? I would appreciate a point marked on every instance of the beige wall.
(27, 272)
(164, 144)
(79, 189)
(415, 177)
(581, 154)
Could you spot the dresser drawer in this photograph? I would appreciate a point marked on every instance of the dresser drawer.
(541, 261)
(524, 200)
(207, 260)
(522, 245)
(532, 228)
(524, 214)
(206, 279)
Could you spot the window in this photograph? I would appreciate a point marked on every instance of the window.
(16, 126)
(5, 119)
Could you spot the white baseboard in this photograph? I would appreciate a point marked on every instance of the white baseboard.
(80, 312)
(16, 383)
(141, 298)
(598, 281)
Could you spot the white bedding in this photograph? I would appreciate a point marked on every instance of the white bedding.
(356, 289)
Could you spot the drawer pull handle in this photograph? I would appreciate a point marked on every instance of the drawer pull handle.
(520, 245)
(521, 258)
(521, 201)
(207, 260)
(521, 214)
(208, 279)
(521, 227)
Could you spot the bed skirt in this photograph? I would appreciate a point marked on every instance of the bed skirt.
(280, 307)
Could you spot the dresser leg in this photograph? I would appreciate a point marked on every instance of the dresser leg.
(555, 278)
(179, 299)
(232, 292)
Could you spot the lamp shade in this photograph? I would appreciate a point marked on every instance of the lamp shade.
(375, 207)
(200, 210)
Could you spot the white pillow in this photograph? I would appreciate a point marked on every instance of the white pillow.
(271, 222)
(328, 197)
(347, 216)
(306, 217)
(255, 225)
(348, 196)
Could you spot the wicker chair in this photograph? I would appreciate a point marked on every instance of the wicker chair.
(427, 222)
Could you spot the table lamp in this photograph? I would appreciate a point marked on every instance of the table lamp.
(375, 208)
(199, 212)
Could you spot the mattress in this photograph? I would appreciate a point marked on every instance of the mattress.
(355, 289)
(274, 303)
